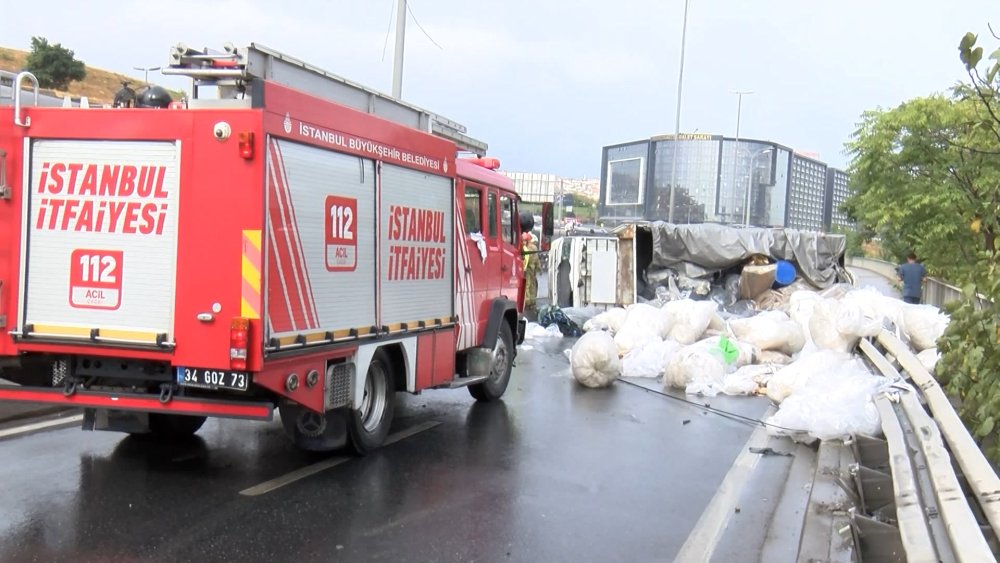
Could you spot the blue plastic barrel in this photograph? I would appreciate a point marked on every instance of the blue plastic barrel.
(785, 273)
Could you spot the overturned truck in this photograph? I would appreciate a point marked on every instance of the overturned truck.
(735, 266)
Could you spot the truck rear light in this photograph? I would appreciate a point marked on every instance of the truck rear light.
(246, 144)
(239, 337)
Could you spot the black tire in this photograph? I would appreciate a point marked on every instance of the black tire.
(174, 426)
(503, 361)
(369, 425)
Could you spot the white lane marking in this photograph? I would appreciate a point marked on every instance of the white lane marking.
(40, 426)
(704, 538)
(309, 470)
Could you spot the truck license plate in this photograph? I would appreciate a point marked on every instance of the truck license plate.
(213, 379)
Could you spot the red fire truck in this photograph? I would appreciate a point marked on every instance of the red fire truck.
(292, 240)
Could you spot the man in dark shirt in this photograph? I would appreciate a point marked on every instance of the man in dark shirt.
(912, 274)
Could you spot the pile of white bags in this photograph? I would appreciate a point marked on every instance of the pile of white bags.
(612, 320)
(771, 330)
(644, 324)
(594, 360)
(650, 360)
(829, 396)
(689, 319)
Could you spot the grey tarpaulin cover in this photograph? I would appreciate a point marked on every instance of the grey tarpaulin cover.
(702, 249)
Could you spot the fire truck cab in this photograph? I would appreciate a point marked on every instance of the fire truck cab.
(294, 241)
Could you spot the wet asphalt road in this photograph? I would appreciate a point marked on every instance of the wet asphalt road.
(554, 472)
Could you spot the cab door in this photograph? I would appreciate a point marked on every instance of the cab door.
(511, 261)
(472, 266)
(497, 267)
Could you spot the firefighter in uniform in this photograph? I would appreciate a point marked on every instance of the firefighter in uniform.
(529, 250)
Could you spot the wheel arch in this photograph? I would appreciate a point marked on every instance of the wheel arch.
(402, 353)
(502, 310)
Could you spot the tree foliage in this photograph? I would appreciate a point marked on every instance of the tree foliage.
(922, 174)
(54, 66)
(926, 178)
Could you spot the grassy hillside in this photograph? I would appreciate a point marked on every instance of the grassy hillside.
(99, 86)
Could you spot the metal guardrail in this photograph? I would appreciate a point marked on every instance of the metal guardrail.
(916, 504)
(935, 291)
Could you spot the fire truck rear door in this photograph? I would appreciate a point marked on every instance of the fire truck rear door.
(99, 251)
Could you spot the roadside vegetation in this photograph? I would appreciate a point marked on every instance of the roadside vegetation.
(925, 177)
(46, 60)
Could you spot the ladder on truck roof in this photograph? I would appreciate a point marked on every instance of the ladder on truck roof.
(240, 65)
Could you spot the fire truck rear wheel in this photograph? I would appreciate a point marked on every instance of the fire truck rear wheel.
(369, 425)
(503, 361)
(173, 426)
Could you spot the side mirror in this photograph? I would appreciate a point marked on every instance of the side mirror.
(548, 227)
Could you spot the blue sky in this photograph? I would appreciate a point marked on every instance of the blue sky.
(547, 83)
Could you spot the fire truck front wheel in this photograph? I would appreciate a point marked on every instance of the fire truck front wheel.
(369, 424)
(503, 360)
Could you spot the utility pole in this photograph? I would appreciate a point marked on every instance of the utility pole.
(736, 149)
(677, 118)
(397, 61)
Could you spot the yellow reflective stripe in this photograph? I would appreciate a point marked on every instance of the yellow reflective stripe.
(251, 267)
(106, 333)
(251, 274)
(247, 310)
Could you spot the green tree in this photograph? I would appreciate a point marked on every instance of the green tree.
(926, 177)
(53, 65)
(921, 174)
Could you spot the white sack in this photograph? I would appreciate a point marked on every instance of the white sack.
(611, 319)
(836, 402)
(929, 359)
(650, 360)
(796, 376)
(924, 325)
(875, 305)
(747, 352)
(771, 330)
(823, 328)
(690, 319)
(850, 319)
(644, 325)
(696, 370)
(594, 360)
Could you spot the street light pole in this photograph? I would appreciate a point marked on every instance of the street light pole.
(146, 70)
(746, 209)
(397, 61)
(736, 149)
(677, 117)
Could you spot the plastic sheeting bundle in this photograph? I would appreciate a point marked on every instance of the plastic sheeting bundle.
(650, 360)
(771, 330)
(829, 397)
(594, 360)
(612, 320)
(690, 319)
(701, 368)
(924, 325)
(644, 325)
